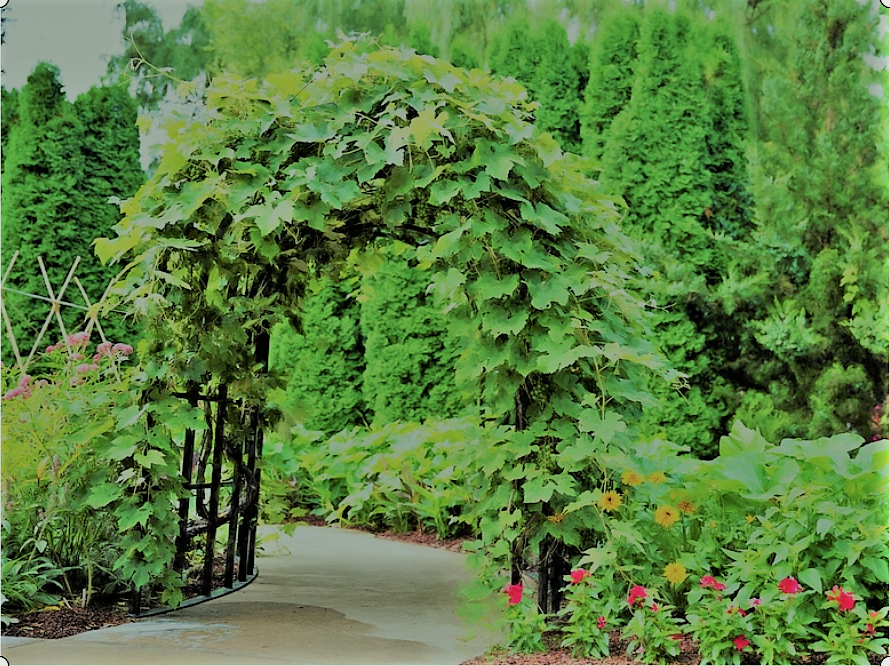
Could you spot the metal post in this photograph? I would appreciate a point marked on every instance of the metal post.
(188, 454)
(216, 479)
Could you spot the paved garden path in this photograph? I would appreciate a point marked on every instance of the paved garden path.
(332, 597)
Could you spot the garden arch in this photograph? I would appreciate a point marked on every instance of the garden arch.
(270, 181)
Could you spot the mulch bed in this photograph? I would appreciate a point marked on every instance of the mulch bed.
(66, 621)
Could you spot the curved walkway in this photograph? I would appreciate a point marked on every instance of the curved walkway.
(327, 596)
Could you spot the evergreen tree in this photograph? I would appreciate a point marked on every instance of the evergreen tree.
(611, 79)
(324, 361)
(542, 60)
(668, 154)
(409, 359)
(817, 342)
(64, 163)
(9, 107)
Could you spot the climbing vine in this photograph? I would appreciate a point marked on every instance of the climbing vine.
(275, 179)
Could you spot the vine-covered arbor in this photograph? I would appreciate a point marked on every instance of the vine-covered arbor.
(273, 180)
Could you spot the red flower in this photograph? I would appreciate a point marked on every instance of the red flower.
(870, 629)
(710, 581)
(740, 643)
(601, 622)
(756, 602)
(732, 609)
(636, 592)
(789, 585)
(578, 575)
(844, 599)
(654, 608)
(514, 592)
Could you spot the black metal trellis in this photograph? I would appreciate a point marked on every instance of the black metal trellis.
(230, 497)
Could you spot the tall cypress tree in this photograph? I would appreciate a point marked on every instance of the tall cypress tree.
(611, 79)
(409, 359)
(64, 163)
(667, 155)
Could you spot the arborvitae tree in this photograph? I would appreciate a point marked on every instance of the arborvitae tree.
(664, 157)
(409, 359)
(323, 362)
(817, 342)
(9, 107)
(611, 78)
(43, 197)
(543, 61)
(64, 164)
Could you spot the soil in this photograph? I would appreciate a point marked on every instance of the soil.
(63, 621)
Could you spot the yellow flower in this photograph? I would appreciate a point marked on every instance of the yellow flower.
(657, 477)
(749, 518)
(631, 478)
(666, 516)
(675, 573)
(609, 501)
(686, 507)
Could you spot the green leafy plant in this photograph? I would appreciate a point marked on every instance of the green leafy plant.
(525, 623)
(587, 617)
(852, 631)
(652, 629)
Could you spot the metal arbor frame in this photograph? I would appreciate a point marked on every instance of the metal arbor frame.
(212, 503)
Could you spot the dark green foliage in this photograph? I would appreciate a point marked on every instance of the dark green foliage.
(324, 362)
(409, 360)
(817, 339)
(676, 154)
(64, 163)
(611, 79)
(9, 107)
(541, 59)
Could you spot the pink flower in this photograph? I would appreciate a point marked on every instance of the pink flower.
(789, 585)
(77, 357)
(578, 575)
(50, 349)
(104, 349)
(636, 592)
(710, 581)
(76, 381)
(756, 602)
(844, 599)
(654, 608)
(76, 339)
(601, 622)
(84, 367)
(740, 643)
(120, 347)
(514, 592)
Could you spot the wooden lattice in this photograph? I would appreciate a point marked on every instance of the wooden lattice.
(56, 303)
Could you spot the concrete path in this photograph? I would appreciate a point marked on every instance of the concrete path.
(337, 597)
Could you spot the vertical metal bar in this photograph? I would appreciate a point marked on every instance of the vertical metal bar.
(543, 573)
(188, 455)
(215, 480)
(233, 511)
(251, 514)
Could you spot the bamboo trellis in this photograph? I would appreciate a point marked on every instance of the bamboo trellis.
(55, 300)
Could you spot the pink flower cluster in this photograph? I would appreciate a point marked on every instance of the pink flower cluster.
(23, 389)
(109, 350)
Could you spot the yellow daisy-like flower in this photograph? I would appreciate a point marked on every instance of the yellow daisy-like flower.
(686, 507)
(657, 477)
(609, 501)
(666, 516)
(631, 478)
(749, 518)
(675, 573)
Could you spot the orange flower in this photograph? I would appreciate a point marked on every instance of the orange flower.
(631, 478)
(609, 501)
(666, 516)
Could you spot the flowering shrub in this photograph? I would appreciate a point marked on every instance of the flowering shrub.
(587, 627)
(525, 624)
(851, 630)
(653, 630)
(50, 422)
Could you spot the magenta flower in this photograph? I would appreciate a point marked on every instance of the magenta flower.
(844, 599)
(636, 592)
(514, 593)
(120, 347)
(601, 622)
(789, 585)
(578, 575)
(740, 643)
(710, 581)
